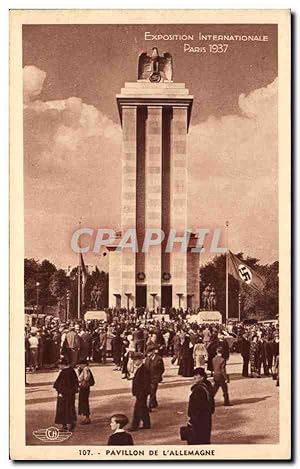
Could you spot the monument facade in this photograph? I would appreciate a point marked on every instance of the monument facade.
(155, 114)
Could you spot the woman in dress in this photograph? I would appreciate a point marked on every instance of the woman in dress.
(86, 380)
(186, 367)
(253, 356)
(199, 354)
(66, 386)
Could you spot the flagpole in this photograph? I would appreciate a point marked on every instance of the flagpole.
(79, 283)
(227, 259)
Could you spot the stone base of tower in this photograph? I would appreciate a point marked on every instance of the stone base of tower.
(128, 289)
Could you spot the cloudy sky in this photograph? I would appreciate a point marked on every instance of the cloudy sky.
(72, 136)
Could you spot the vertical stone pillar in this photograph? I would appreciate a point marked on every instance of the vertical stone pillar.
(129, 114)
(179, 202)
(153, 172)
(193, 261)
(115, 275)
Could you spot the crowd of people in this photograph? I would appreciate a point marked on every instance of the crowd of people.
(137, 344)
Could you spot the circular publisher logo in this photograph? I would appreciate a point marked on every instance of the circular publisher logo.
(52, 433)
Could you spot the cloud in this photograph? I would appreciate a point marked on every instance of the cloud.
(72, 154)
(33, 80)
(72, 169)
(233, 173)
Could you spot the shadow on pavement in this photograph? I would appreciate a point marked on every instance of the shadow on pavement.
(230, 424)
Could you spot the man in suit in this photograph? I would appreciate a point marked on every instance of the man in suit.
(140, 390)
(223, 344)
(200, 409)
(72, 344)
(220, 376)
(102, 345)
(245, 352)
(155, 364)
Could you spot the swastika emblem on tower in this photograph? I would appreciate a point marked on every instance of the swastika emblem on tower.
(245, 274)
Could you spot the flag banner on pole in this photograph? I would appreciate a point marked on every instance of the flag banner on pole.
(245, 274)
(83, 270)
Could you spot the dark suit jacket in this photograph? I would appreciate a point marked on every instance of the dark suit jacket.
(120, 439)
(245, 347)
(156, 368)
(201, 403)
(141, 382)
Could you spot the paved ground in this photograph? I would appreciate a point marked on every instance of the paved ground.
(252, 418)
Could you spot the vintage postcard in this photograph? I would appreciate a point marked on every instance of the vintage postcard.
(150, 235)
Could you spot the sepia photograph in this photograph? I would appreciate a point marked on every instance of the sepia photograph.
(150, 235)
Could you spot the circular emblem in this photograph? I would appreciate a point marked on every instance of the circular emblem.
(155, 77)
(166, 276)
(140, 276)
(245, 273)
(52, 433)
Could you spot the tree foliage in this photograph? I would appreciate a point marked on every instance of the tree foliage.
(262, 305)
(55, 283)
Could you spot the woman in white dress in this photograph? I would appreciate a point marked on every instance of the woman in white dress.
(199, 354)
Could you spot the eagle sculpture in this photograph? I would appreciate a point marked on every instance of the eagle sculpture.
(155, 68)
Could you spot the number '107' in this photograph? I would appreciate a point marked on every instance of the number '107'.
(218, 48)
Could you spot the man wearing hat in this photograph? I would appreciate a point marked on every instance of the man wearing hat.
(72, 345)
(140, 390)
(200, 409)
(155, 364)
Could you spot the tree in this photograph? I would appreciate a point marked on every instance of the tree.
(59, 284)
(38, 272)
(261, 305)
(214, 273)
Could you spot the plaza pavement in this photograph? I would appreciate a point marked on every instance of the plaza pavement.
(253, 417)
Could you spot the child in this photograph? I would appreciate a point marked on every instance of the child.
(86, 380)
(119, 437)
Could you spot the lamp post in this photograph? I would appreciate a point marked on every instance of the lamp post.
(154, 295)
(239, 310)
(37, 295)
(201, 247)
(68, 305)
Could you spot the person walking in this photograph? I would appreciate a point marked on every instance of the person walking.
(116, 347)
(199, 354)
(200, 409)
(220, 376)
(176, 343)
(86, 380)
(212, 351)
(66, 386)
(254, 357)
(72, 346)
(141, 391)
(33, 351)
(186, 365)
(155, 364)
(102, 348)
(245, 352)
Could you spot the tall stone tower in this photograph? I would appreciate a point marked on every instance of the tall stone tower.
(155, 114)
